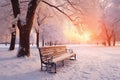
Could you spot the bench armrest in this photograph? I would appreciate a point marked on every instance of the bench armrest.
(69, 50)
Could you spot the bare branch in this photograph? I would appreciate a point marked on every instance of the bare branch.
(74, 7)
(61, 5)
(40, 22)
(57, 9)
(116, 21)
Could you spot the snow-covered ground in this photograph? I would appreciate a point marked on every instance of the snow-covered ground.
(93, 63)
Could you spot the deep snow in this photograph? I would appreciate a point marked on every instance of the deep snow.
(93, 63)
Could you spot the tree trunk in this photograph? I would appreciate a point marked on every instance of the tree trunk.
(37, 40)
(114, 40)
(109, 41)
(13, 38)
(43, 40)
(24, 48)
(109, 36)
(16, 11)
(24, 44)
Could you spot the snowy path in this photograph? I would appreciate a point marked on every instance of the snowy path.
(93, 63)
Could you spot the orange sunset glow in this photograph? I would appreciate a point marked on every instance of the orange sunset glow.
(75, 36)
(85, 37)
(72, 34)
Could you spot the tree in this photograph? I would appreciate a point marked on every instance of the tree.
(24, 29)
(37, 29)
(109, 19)
(13, 37)
(114, 27)
(13, 29)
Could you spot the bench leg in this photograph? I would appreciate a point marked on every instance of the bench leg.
(75, 57)
(55, 67)
(43, 66)
(51, 68)
(63, 63)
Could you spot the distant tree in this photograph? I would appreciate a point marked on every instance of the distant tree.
(13, 37)
(109, 19)
(37, 29)
(13, 29)
(114, 28)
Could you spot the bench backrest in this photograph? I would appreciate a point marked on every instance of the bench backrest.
(54, 51)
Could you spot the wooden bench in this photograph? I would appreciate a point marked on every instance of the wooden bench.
(51, 55)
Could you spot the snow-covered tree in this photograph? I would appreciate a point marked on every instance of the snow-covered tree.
(110, 19)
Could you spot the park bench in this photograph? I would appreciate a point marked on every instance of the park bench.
(51, 55)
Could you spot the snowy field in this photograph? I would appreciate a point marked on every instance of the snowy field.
(93, 63)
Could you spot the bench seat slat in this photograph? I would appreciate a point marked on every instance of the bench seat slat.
(62, 57)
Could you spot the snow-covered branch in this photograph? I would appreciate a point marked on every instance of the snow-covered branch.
(57, 9)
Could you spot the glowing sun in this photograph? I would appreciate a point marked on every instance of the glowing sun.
(85, 37)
